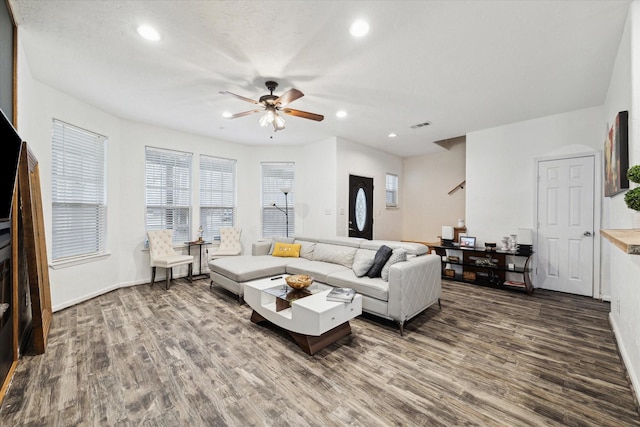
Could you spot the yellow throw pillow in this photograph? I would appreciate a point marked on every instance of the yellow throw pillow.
(287, 249)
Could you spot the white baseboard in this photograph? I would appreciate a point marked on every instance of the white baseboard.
(635, 381)
(606, 298)
(92, 295)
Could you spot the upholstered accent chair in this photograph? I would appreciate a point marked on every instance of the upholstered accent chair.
(163, 255)
(229, 243)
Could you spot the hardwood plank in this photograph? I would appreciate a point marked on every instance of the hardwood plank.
(191, 356)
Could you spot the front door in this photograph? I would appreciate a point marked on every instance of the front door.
(565, 224)
(360, 207)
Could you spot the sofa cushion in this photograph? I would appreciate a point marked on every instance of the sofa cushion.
(398, 255)
(353, 242)
(291, 250)
(306, 248)
(373, 288)
(382, 255)
(243, 268)
(334, 254)
(411, 247)
(275, 240)
(317, 269)
(362, 261)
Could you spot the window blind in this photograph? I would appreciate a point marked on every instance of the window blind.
(217, 195)
(168, 192)
(392, 190)
(78, 192)
(275, 178)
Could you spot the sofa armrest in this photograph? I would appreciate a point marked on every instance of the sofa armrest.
(414, 285)
(261, 247)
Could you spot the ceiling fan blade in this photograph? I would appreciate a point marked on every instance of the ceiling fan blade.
(246, 113)
(224, 92)
(288, 97)
(303, 114)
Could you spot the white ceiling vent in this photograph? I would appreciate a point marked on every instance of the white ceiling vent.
(420, 125)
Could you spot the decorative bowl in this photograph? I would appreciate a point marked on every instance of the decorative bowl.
(299, 281)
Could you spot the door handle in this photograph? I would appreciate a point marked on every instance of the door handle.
(587, 233)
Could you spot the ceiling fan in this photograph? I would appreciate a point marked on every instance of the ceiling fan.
(272, 105)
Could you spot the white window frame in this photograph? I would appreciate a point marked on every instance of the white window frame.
(277, 176)
(391, 194)
(168, 192)
(78, 193)
(217, 195)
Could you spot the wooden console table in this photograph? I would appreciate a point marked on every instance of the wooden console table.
(482, 267)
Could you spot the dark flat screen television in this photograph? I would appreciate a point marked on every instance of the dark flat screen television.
(10, 144)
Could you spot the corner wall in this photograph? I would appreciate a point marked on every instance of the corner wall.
(427, 206)
(623, 270)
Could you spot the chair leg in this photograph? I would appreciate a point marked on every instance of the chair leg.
(169, 273)
(153, 275)
(439, 305)
(191, 272)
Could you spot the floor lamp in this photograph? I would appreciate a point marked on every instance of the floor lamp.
(286, 192)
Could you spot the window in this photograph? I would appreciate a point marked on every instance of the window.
(217, 195)
(168, 192)
(78, 192)
(392, 190)
(278, 209)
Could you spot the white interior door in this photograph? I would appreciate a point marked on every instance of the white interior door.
(565, 225)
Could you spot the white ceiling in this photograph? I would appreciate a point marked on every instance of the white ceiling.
(461, 65)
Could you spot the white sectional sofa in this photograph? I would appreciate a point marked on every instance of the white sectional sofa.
(413, 285)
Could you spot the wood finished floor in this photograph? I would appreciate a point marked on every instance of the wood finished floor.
(191, 357)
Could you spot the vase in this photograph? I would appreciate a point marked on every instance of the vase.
(635, 220)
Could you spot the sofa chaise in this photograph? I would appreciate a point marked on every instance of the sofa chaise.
(411, 286)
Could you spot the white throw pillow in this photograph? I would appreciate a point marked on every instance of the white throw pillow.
(362, 261)
(398, 255)
(306, 249)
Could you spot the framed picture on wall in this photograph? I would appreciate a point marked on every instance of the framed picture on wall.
(616, 155)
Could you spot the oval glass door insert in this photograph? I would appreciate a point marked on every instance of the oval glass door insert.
(361, 209)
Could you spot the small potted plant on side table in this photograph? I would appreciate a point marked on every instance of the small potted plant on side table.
(632, 197)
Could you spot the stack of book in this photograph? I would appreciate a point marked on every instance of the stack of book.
(341, 295)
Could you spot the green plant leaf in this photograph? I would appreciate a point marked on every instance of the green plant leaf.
(634, 174)
(632, 199)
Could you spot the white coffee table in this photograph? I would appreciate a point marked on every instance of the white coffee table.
(311, 320)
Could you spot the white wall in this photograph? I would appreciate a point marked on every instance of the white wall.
(622, 270)
(357, 159)
(500, 191)
(426, 200)
(37, 106)
(319, 211)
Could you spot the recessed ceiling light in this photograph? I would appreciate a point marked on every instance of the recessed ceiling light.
(341, 114)
(359, 28)
(392, 135)
(149, 33)
(227, 115)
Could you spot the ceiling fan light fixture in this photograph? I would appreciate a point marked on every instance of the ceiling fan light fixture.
(278, 122)
(227, 115)
(341, 114)
(266, 119)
